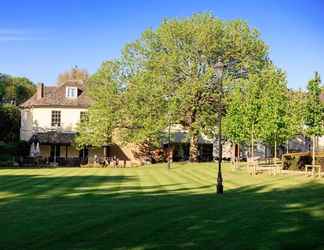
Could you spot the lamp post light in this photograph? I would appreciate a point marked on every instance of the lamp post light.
(218, 70)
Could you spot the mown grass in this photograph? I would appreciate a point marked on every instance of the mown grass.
(157, 208)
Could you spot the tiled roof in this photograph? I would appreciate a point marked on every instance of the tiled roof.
(55, 96)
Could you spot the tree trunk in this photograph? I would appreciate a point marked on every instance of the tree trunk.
(266, 152)
(238, 155)
(313, 161)
(233, 155)
(252, 147)
(275, 152)
(193, 151)
(105, 152)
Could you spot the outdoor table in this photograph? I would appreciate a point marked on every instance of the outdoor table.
(313, 169)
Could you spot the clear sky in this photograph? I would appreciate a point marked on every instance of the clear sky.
(41, 38)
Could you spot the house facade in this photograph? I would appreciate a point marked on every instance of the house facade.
(50, 117)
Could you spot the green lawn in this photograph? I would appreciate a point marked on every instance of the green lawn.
(156, 208)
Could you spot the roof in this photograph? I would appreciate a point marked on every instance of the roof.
(55, 96)
(53, 137)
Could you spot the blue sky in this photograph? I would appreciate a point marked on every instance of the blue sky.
(41, 38)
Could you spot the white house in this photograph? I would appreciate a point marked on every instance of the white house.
(50, 118)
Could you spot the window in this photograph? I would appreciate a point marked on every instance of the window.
(71, 92)
(56, 118)
(83, 116)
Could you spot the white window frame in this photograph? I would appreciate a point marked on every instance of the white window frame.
(71, 90)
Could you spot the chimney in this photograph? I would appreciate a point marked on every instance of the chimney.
(40, 91)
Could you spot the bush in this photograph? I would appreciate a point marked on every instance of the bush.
(296, 162)
(22, 148)
(7, 152)
(11, 152)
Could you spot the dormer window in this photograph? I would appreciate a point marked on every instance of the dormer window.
(71, 92)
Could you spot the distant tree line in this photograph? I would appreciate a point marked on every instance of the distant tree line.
(13, 91)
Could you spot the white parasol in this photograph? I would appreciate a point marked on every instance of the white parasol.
(32, 150)
(37, 149)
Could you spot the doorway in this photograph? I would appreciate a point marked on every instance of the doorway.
(55, 152)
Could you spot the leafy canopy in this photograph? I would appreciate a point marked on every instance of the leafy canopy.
(104, 89)
(15, 89)
(314, 108)
(170, 69)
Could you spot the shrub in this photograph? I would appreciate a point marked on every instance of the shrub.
(296, 162)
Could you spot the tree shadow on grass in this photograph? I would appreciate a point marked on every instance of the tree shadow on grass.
(116, 212)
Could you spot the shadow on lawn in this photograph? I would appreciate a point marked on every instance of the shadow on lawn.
(116, 212)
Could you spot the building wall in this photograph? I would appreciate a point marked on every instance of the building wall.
(72, 152)
(39, 120)
(45, 150)
(123, 153)
(26, 123)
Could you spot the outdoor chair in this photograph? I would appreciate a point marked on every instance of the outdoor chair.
(252, 166)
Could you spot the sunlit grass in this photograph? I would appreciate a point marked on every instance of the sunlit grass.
(152, 207)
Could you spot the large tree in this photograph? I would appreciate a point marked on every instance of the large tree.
(314, 110)
(104, 88)
(174, 64)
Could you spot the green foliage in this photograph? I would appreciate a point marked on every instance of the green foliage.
(295, 113)
(236, 123)
(145, 110)
(261, 107)
(274, 100)
(11, 152)
(104, 88)
(170, 71)
(296, 162)
(9, 123)
(314, 108)
(15, 89)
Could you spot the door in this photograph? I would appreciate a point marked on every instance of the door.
(55, 152)
(83, 154)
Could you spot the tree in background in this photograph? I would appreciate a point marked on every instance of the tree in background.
(74, 73)
(9, 123)
(295, 117)
(236, 125)
(174, 64)
(147, 110)
(104, 89)
(274, 128)
(15, 90)
(252, 108)
(314, 110)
